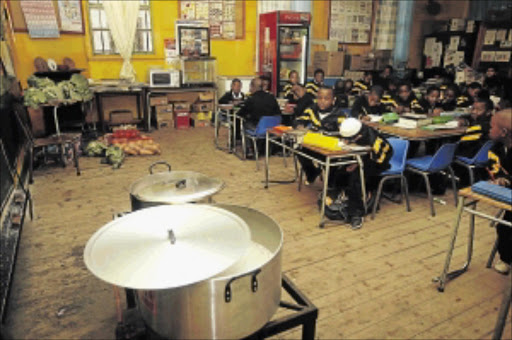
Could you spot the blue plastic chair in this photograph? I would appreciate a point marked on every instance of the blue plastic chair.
(478, 161)
(398, 162)
(259, 132)
(428, 165)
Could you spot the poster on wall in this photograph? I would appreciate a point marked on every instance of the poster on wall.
(223, 17)
(70, 16)
(41, 18)
(351, 21)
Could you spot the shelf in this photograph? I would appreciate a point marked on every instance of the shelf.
(290, 59)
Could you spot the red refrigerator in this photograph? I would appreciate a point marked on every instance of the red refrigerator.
(284, 40)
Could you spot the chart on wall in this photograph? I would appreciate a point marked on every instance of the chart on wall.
(225, 17)
(351, 21)
(40, 18)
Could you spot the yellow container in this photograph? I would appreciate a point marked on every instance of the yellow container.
(321, 141)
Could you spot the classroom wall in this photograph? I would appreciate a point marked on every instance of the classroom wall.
(236, 57)
(424, 23)
(320, 27)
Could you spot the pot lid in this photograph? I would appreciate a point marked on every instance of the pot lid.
(175, 187)
(167, 246)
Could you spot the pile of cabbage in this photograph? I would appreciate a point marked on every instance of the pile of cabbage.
(44, 90)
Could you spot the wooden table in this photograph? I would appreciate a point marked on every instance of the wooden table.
(417, 134)
(332, 158)
(470, 207)
(113, 91)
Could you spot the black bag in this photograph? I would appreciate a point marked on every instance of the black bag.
(337, 210)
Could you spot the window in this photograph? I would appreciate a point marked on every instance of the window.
(102, 42)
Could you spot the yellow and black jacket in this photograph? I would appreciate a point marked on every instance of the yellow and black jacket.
(423, 106)
(362, 85)
(362, 108)
(389, 103)
(381, 151)
(288, 93)
(330, 122)
(313, 87)
(405, 103)
(500, 162)
(475, 136)
(465, 100)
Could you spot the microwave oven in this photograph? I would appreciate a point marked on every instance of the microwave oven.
(164, 78)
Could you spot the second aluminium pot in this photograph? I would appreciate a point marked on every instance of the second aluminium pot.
(172, 187)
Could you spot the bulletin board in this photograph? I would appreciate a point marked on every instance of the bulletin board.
(19, 24)
(226, 18)
(350, 22)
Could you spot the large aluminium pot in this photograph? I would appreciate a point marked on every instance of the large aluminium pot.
(231, 305)
(199, 271)
(172, 187)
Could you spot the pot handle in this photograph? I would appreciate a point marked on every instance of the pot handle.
(157, 163)
(254, 284)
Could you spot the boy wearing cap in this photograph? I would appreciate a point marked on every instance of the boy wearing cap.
(374, 163)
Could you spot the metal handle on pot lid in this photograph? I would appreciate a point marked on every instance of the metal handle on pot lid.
(157, 163)
(254, 283)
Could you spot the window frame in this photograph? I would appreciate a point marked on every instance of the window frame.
(146, 6)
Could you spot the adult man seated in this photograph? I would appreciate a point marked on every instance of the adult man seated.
(234, 95)
(259, 104)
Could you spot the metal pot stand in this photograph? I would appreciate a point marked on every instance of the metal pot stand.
(304, 313)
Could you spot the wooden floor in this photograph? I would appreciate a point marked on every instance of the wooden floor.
(370, 283)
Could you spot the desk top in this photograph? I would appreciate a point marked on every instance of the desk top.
(467, 192)
(331, 153)
(417, 134)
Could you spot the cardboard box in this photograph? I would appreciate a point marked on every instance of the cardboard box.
(190, 97)
(165, 120)
(332, 63)
(182, 120)
(181, 107)
(158, 100)
(386, 54)
(203, 106)
(164, 109)
(206, 96)
(355, 62)
(164, 115)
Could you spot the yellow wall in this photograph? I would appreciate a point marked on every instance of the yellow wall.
(233, 57)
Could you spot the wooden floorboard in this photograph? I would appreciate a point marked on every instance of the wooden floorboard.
(375, 282)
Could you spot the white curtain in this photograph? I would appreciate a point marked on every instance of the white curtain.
(122, 21)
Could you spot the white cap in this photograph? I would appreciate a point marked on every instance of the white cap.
(350, 127)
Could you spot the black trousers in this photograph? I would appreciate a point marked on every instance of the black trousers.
(351, 183)
(505, 239)
(307, 164)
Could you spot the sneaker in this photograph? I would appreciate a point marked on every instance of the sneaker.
(502, 267)
(356, 222)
